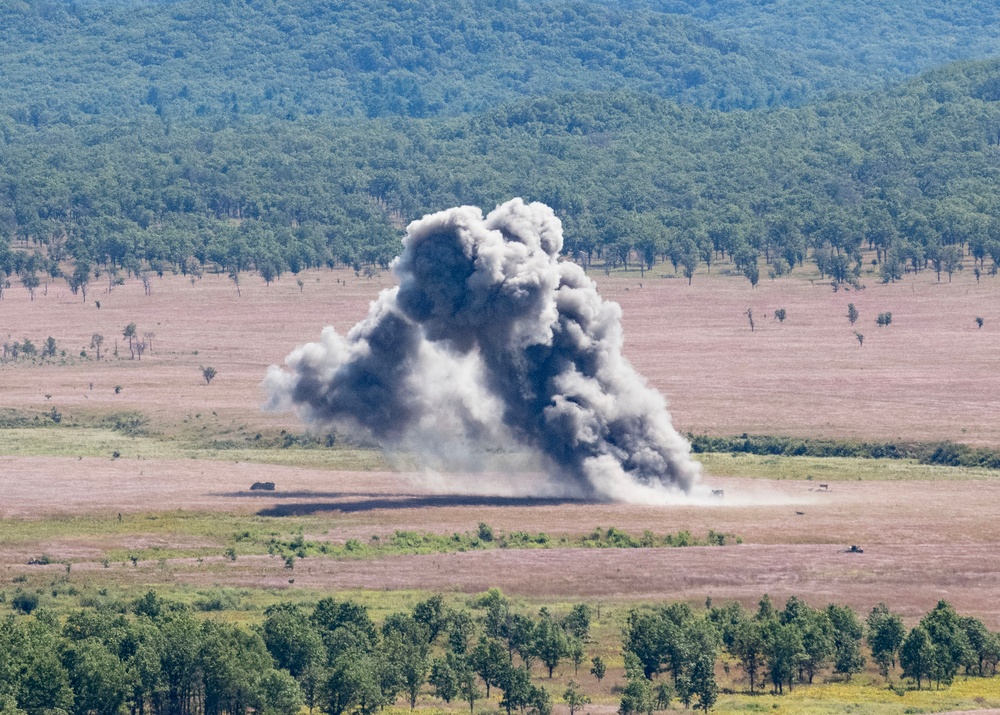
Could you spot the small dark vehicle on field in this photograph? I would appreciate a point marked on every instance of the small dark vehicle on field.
(262, 486)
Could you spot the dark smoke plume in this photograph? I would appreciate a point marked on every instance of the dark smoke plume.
(491, 341)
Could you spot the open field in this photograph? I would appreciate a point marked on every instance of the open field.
(147, 486)
(928, 376)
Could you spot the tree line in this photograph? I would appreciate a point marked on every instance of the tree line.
(890, 181)
(155, 656)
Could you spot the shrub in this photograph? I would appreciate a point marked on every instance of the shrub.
(25, 602)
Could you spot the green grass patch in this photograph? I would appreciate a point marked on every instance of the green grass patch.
(947, 454)
(834, 469)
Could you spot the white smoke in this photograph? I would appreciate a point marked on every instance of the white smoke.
(491, 343)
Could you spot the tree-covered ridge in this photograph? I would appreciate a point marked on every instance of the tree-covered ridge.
(64, 61)
(909, 171)
(859, 42)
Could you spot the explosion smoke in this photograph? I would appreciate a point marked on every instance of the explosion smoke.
(490, 339)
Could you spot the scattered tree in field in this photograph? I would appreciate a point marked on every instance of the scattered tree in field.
(577, 622)
(208, 373)
(130, 334)
(883, 319)
(749, 314)
(300, 284)
(574, 698)
(234, 276)
(779, 267)
(49, 347)
(860, 337)
(951, 260)
(979, 322)
(96, 340)
(30, 282)
(598, 668)
(550, 645)
(637, 698)
(779, 315)
(80, 279)
(147, 285)
(748, 646)
(148, 338)
(489, 659)
(468, 688)
(852, 313)
(444, 678)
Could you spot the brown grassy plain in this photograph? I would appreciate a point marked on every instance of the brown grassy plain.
(930, 375)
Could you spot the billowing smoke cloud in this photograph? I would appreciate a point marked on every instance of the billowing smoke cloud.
(491, 341)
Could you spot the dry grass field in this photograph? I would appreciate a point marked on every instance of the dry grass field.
(147, 485)
(930, 375)
(927, 534)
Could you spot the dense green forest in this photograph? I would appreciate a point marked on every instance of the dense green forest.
(910, 171)
(861, 42)
(276, 136)
(67, 60)
(155, 656)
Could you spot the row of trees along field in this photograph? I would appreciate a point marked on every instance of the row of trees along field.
(907, 174)
(155, 656)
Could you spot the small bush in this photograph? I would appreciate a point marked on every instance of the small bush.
(25, 602)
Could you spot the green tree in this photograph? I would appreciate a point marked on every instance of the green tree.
(30, 282)
(574, 697)
(80, 279)
(598, 668)
(847, 634)
(917, 657)
(129, 333)
(407, 648)
(749, 648)
(784, 653)
(551, 644)
(490, 659)
(982, 644)
(444, 677)
(281, 694)
(468, 689)
(577, 621)
(517, 689)
(885, 637)
(637, 697)
(852, 313)
(951, 645)
(291, 639)
(433, 615)
(97, 677)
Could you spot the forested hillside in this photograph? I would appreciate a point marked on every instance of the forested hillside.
(860, 42)
(280, 135)
(64, 62)
(910, 171)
